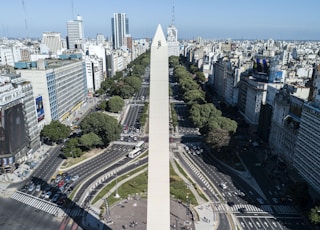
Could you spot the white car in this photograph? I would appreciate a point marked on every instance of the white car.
(74, 178)
(48, 194)
(38, 188)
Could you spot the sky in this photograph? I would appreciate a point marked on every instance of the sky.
(209, 19)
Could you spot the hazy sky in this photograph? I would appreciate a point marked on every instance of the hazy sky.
(209, 19)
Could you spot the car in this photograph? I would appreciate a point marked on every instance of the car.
(230, 203)
(223, 185)
(58, 178)
(61, 183)
(74, 178)
(43, 194)
(31, 187)
(242, 210)
(38, 187)
(55, 197)
(61, 201)
(47, 195)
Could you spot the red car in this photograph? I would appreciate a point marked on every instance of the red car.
(61, 183)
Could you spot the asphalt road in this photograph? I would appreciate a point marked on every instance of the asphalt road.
(18, 216)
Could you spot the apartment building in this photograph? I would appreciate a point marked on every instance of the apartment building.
(19, 131)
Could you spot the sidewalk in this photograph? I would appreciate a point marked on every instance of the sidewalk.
(25, 170)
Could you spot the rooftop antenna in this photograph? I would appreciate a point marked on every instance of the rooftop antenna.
(72, 8)
(172, 22)
(25, 18)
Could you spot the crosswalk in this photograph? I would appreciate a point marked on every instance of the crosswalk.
(280, 209)
(251, 208)
(46, 206)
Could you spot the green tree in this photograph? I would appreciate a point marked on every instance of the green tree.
(72, 148)
(55, 131)
(194, 96)
(107, 84)
(173, 61)
(200, 78)
(314, 215)
(200, 114)
(138, 70)
(102, 105)
(218, 138)
(115, 104)
(103, 125)
(134, 82)
(90, 140)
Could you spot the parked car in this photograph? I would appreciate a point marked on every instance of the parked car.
(55, 197)
(38, 188)
(48, 194)
(31, 187)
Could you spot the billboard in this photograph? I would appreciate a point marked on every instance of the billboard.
(39, 107)
(13, 135)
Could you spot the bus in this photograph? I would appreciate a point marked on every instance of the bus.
(139, 145)
(135, 152)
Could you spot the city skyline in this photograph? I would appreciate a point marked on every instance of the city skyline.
(294, 20)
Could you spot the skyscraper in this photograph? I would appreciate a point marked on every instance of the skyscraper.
(120, 29)
(75, 33)
(172, 38)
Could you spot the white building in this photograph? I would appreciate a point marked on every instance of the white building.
(94, 73)
(52, 40)
(172, 41)
(75, 33)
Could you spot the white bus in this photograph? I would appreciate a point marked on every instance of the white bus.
(134, 153)
(139, 145)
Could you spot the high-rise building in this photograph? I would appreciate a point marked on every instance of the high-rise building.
(75, 32)
(120, 29)
(61, 83)
(53, 42)
(19, 132)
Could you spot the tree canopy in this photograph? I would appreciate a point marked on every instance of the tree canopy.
(115, 104)
(103, 125)
(90, 140)
(55, 131)
(314, 215)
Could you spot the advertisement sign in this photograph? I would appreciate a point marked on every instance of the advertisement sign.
(39, 107)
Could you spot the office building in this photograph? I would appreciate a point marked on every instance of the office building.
(120, 29)
(61, 83)
(75, 32)
(19, 132)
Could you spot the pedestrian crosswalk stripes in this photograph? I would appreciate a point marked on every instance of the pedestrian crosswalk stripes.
(281, 209)
(45, 206)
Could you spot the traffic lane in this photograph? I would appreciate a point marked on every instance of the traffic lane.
(258, 172)
(195, 177)
(111, 156)
(16, 215)
(236, 178)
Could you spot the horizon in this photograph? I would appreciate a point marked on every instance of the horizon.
(208, 19)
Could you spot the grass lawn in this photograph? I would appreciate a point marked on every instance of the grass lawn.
(138, 186)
